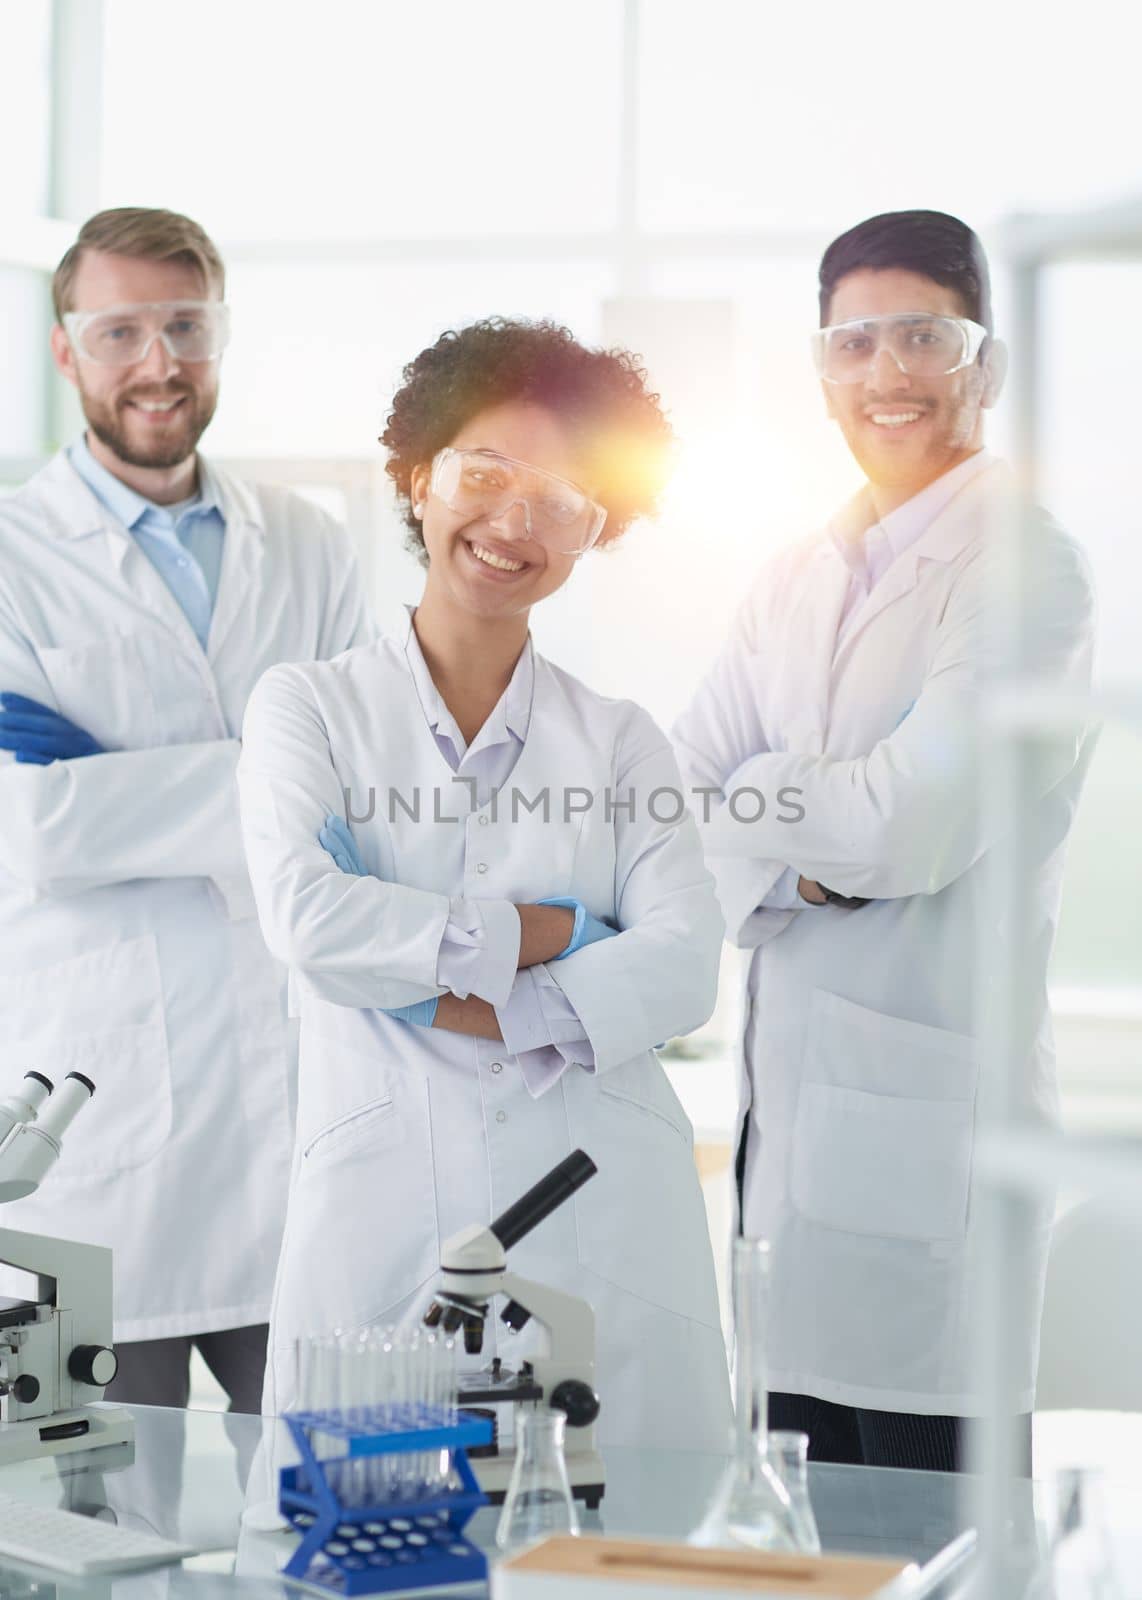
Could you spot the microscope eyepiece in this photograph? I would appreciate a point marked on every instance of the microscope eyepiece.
(543, 1198)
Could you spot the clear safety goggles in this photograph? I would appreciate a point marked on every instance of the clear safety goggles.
(922, 345)
(118, 336)
(481, 483)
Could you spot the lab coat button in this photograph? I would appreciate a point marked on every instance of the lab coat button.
(501, 1116)
(497, 1066)
(481, 866)
(483, 820)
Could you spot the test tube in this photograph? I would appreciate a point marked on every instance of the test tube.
(332, 1384)
(421, 1357)
(390, 1376)
(408, 1362)
(378, 1379)
(452, 1394)
(378, 1345)
(354, 1378)
(315, 1373)
(317, 1381)
(303, 1390)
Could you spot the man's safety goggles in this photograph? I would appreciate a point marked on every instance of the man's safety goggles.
(922, 345)
(118, 336)
(481, 483)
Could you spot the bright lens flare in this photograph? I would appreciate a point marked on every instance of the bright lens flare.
(744, 492)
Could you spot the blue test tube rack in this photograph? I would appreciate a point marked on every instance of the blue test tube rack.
(395, 1543)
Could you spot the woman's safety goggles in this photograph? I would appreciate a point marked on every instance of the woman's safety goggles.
(118, 336)
(481, 483)
(923, 346)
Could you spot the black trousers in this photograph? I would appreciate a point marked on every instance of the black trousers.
(859, 1437)
(156, 1372)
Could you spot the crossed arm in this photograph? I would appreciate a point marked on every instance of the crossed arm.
(352, 938)
(906, 818)
(364, 943)
(547, 932)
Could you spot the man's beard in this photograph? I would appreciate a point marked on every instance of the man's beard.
(107, 424)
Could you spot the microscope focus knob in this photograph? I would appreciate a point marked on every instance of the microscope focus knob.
(94, 1364)
(26, 1388)
(577, 1399)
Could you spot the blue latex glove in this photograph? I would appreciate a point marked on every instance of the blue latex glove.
(423, 1013)
(586, 930)
(336, 840)
(40, 735)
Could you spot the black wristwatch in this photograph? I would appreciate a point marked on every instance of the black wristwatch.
(849, 901)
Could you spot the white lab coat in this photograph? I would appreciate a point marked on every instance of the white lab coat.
(860, 1062)
(406, 1134)
(129, 944)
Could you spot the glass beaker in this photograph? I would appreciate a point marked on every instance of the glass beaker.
(751, 1505)
(789, 1453)
(539, 1500)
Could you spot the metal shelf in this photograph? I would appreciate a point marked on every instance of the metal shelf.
(1014, 1161)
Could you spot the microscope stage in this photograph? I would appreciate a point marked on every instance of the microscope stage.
(13, 1313)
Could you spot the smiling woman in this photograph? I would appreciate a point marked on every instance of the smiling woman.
(510, 974)
(616, 432)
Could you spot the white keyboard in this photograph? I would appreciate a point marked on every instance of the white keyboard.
(44, 1536)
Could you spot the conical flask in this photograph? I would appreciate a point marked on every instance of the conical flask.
(789, 1453)
(539, 1500)
(751, 1505)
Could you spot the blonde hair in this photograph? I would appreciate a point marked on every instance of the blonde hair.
(145, 234)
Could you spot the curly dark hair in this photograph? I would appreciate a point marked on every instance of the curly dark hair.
(602, 395)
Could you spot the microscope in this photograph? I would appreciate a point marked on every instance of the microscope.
(473, 1271)
(55, 1345)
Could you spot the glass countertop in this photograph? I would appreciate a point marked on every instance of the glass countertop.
(191, 1470)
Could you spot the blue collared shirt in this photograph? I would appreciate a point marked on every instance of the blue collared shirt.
(183, 543)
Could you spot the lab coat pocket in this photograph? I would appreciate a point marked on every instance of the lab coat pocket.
(105, 688)
(882, 1137)
(101, 1014)
(362, 1231)
(677, 1123)
(377, 1124)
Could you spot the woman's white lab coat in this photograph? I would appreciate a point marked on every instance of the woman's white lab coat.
(129, 944)
(406, 1134)
(860, 1069)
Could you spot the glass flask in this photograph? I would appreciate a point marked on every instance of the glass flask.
(539, 1500)
(751, 1506)
(789, 1453)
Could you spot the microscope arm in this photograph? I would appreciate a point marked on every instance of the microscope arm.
(567, 1321)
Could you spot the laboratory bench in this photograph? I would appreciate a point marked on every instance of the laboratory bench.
(188, 1481)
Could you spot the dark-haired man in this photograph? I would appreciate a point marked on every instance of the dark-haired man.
(851, 686)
